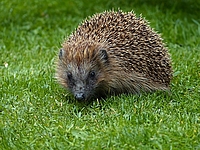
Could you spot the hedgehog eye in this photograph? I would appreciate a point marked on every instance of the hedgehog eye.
(92, 74)
(69, 75)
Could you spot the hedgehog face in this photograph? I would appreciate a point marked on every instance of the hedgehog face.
(82, 74)
(81, 80)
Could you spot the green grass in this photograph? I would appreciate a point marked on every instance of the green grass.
(36, 113)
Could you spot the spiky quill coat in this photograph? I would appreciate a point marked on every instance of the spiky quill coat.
(113, 53)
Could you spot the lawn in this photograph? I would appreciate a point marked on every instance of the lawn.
(36, 113)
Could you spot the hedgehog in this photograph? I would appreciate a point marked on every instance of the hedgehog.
(111, 53)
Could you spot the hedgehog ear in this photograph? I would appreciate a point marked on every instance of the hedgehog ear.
(61, 53)
(103, 55)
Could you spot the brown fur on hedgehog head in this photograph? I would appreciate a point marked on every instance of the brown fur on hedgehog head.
(81, 68)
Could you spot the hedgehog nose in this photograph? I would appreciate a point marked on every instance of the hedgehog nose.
(80, 96)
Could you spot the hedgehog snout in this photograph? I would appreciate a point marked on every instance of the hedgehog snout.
(79, 91)
(80, 96)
